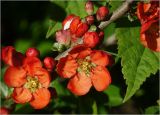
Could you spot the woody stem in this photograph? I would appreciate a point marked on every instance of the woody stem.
(116, 14)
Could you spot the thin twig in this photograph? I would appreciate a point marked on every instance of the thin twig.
(117, 14)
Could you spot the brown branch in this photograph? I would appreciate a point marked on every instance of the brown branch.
(117, 14)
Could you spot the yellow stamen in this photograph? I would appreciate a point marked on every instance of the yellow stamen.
(32, 84)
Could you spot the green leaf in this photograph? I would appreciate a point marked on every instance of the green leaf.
(94, 107)
(114, 96)
(114, 5)
(72, 7)
(152, 110)
(137, 61)
(53, 27)
(3, 90)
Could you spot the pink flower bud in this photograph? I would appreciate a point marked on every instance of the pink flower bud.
(32, 52)
(90, 20)
(89, 7)
(49, 63)
(91, 39)
(4, 111)
(63, 37)
(67, 21)
(101, 13)
(78, 27)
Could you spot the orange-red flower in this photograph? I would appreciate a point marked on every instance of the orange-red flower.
(30, 82)
(85, 68)
(149, 35)
(148, 11)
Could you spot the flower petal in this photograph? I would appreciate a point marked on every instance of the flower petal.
(67, 66)
(100, 78)
(15, 76)
(80, 51)
(99, 58)
(80, 84)
(41, 98)
(11, 57)
(7, 54)
(74, 24)
(149, 35)
(43, 77)
(21, 95)
(31, 64)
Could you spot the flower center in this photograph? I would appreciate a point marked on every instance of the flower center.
(85, 65)
(32, 84)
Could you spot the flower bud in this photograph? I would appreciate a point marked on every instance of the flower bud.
(11, 57)
(67, 21)
(89, 7)
(4, 111)
(91, 39)
(101, 13)
(63, 37)
(101, 35)
(90, 20)
(49, 63)
(78, 27)
(32, 52)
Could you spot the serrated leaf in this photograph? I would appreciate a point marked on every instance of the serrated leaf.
(137, 61)
(53, 27)
(113, 93)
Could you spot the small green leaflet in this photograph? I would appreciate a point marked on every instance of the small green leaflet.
(137, 61)
(53, 27)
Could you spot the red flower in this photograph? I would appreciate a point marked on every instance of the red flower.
(91, 39)
(67, 21)
(148, 11)
(149, 35)
(11, 57)
(85, 68)
(30, 82)
(101, 13)
(78, 27)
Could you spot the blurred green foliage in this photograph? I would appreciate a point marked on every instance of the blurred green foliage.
(25, 24)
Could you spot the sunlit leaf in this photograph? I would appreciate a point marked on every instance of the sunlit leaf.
(138, 62)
